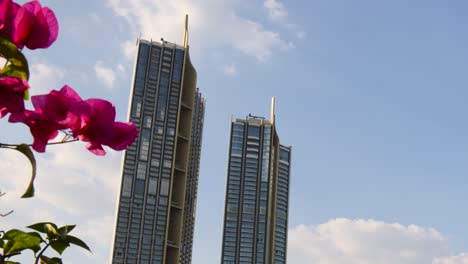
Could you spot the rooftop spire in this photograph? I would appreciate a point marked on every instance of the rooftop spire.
(272, 110)
(185, 37)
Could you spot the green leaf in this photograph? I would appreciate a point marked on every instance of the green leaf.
(26, 150)
(39, 227)
(64, 230)
(12, 262)
(18, 66)
(78, 242)
(52, 232)
(47, 228)
(59, 245)
(47, 260)
(19, 241)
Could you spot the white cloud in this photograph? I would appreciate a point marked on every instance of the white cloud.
(64, 174)
(44, 78)
(98, 230)
(364, 242)
(104, 74)
(213, 25)
(230, 69)
(275, 9)
(459, 259)
(128, 49)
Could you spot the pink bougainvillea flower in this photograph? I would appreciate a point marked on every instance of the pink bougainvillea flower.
(42, 129)
(8, 11)
(122, 136)
(99, 128)
(60, 106)
(11, 95)
(91, 121)
(53, 112)
(34, 26)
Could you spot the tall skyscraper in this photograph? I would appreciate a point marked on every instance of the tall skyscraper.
(257, 194)
(156, 206)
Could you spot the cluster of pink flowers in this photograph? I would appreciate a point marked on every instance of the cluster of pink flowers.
(91, 120)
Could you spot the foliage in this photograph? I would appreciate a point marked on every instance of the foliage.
(14, 241)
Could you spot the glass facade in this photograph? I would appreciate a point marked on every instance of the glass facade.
(256, 208)
(164, 105)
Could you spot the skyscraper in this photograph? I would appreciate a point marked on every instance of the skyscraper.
(157, 198)
(257, 194)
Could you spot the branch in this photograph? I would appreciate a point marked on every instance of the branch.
(7, 214)
(40, 253)
(3, 215)
(66, 140)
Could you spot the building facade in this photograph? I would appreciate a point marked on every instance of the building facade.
(257, 194)
(192, 180)
(156, 204)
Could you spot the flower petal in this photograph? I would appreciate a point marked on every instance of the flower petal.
(123, 135)
(96, 149)
(12, 95)
(35, 26)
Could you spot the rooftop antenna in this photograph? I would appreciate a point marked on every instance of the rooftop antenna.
(272, 110)
(138, 39)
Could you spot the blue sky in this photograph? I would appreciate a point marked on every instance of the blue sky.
(370, 94)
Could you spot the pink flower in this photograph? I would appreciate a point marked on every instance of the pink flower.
(35, 26)
(42, 129)
(11, 95)
(99, 128)
(91, 121)
(53, 112)
(122, 136)
(30, 25)
(60, 106)
(8, 11)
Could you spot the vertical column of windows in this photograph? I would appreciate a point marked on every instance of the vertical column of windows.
(263, 195)
(127, 208)
(233, 194)
(249, 194)
(147, 176)
(157, 158)
(282, 206)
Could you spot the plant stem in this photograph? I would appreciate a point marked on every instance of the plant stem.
(52, 143)
(40, 254)
(4, 215)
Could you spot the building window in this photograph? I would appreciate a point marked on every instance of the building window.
(164, 187)
(141, 171)
(167, 164)
(136, 106)
(145, 142)
(170, 131)
(254, 131)
(155, 162)
(152, 186)
(140, 187)
(147, 121)
(127, 186)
